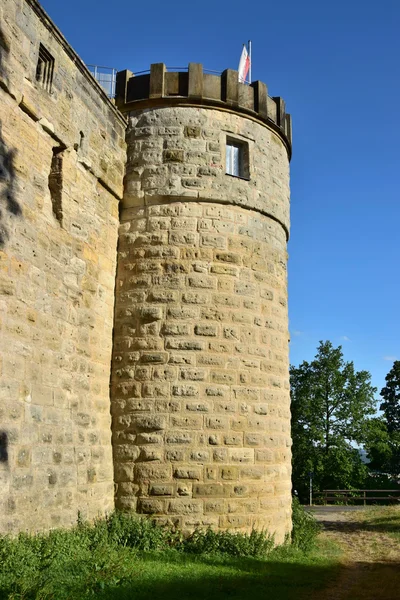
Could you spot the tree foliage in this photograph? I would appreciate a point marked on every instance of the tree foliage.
(331, 403)
(391, 396)
(383, 444)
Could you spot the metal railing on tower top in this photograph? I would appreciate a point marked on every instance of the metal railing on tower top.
(178, 69)
(106, 77)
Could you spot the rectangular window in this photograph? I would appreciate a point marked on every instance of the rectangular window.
(237, 158)
(45, 68)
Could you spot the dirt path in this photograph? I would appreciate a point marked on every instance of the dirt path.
(370, 567)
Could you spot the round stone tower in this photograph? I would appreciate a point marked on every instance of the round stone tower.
(200, 386)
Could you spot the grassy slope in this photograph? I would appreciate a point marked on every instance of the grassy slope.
(66, 569)
(69, 571)
(383, 519)
(285, 575)
(122, 573)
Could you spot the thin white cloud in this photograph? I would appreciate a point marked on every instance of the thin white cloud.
(390, 358)
(344, 338)
(296, 332)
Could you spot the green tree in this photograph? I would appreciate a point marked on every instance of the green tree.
(331, 403)
(383, 445)
(377, 445)
(391, 396)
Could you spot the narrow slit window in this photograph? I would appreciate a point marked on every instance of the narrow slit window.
(56, 183)
(237, 158)
(45, 68)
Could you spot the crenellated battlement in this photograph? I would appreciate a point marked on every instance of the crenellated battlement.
(161, 87)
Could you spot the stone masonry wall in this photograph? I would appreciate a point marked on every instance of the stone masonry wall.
(200, 392)
(180, 152)
(62, 155)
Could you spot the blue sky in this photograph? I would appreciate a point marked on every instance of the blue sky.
(336, 66)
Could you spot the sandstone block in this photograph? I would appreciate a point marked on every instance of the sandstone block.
(179, 437)
(206, 330)
(151, 472)
(161, 490)
(187, 473)
(234, 521)
(184, 507)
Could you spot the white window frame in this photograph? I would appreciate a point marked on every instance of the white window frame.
(236, 158)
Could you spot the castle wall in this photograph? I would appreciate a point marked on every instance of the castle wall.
(200, 392)
(62, 155)
(199, 385)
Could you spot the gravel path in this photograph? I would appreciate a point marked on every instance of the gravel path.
(370, 568)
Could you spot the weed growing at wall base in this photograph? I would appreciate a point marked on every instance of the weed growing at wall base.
(130, 531)
(256, 544)
(305, 527)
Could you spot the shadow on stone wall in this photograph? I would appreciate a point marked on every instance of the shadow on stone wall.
(3, 447)
(8, 201)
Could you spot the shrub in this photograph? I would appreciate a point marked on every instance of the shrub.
(257, 543)
(140, 533)
(129, 530)
(305, 527)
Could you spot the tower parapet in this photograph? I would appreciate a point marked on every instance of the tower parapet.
(160, 87)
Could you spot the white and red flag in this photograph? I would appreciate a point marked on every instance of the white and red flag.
(244, 65)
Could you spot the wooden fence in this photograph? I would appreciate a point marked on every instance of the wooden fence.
(355, 496)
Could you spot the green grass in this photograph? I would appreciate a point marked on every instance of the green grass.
(215, 577)
(111, 572)
(382, 519)
(125, 557)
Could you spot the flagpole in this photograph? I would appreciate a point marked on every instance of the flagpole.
(250, 61)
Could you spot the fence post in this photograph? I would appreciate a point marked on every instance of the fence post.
(365, 498)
